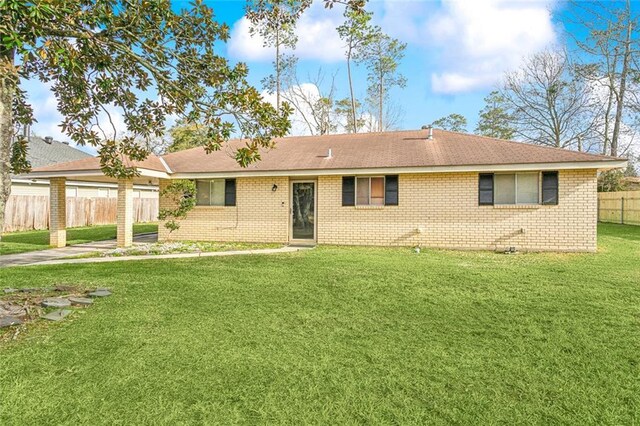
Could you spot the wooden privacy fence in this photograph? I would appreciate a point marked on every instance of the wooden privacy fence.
(619, 207)
(26, 212)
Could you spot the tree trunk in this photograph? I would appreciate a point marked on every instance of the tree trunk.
(278, 69)
(623, 83)
(353, 99)
(605, 142)
(380, 102)
(8, 80)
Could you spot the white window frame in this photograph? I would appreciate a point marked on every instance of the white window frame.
(516, 203)
(210, 181)
(384, 190)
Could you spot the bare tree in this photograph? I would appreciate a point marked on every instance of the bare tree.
(392, 117)
(548, 103)
(612, 62)
(313, 100)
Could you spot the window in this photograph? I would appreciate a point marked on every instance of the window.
(550, 188)
(370, 191)
(504, 189)
(515, 188)
(216, 192)
(348, 191)
(485, 189)
(527, 190)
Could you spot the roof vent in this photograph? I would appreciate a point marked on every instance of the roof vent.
(329, 153)
(48, 139)
(430, 129)
(65, 142)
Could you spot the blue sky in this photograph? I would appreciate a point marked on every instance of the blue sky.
(457, 50)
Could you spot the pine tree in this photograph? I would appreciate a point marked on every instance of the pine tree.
(494, 118)
(452, 122)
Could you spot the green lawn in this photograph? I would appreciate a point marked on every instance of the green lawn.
(338, 336)
(20, 242)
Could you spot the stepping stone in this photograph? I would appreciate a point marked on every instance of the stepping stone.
(64, 288)
(9, 321)
(55, 302)
(29, 289)
(12, 310)
(10, 290)
(57, 315)
(101, 292)
(84, 301)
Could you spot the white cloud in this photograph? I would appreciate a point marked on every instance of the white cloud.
(316, 31)
(474, 42)
(480, 40)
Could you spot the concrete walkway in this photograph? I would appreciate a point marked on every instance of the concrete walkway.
(33, 257)
(57, 256)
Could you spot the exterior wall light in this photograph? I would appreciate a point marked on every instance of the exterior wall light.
(274, 188)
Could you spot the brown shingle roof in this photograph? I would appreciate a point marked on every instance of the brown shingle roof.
(401, 149)
(93, 163)
(377, 150)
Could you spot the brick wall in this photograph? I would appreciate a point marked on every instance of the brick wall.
(124, 215)
(57, 213)
(260, 215)
(441, 210)
(435, 210)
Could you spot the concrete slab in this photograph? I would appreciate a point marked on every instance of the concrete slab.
(8, 309)
(57, 315)
(36, 257)
(288, 249)
(55, 302)
(9, 321)
(82, 301)
(100, 293)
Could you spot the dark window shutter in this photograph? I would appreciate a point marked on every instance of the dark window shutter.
(485, 189)
(230, 192)
(550, 188)
(391, 190)
(348, 191)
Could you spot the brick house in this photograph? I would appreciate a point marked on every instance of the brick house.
(429, 188)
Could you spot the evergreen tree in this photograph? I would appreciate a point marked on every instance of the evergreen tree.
(494, 118)
(452, 122)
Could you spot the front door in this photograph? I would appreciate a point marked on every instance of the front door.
(303, 211)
